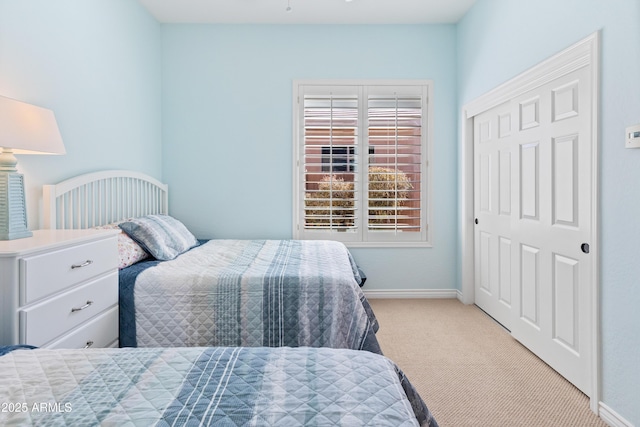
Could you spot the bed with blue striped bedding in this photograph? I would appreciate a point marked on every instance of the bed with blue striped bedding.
(235, 386)
(250, 293)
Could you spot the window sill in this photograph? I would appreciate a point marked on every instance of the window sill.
(388, 244)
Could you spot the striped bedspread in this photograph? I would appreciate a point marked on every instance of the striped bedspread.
(207, 386)
(249, 293)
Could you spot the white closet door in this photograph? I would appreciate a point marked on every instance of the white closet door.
(533, 205)
(552, 225)
(493, 194)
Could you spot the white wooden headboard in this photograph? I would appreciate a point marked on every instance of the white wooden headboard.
(101, 198)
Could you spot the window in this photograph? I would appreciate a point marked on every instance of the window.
(338, 159)
(360, 153)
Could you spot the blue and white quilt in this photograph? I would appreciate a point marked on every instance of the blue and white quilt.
(222, 386)
(251, 293)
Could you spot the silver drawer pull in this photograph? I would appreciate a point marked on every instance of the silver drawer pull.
(89, 344)
(87, 305)
(84, 264)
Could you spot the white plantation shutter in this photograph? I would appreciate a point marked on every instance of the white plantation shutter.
(360, 163)
(330, 160)
(395, 121)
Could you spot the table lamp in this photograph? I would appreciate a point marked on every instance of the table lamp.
(24, 129)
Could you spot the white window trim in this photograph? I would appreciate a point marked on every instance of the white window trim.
(427, 199)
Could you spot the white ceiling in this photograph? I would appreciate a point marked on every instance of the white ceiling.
(308, 11)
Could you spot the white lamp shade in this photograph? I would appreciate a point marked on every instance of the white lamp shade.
(28, 129)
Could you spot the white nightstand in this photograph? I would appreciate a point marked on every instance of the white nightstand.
(59, 289)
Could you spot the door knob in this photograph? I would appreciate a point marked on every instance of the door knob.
(585, 248)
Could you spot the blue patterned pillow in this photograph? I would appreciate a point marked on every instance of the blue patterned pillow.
(163, 236)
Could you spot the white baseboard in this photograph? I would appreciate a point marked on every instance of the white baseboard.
(611, 417)
(411, 293)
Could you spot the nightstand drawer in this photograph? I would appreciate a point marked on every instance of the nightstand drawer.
(96, 333)
(43, 322)
(54, 271)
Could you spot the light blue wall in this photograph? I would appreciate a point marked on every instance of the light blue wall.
(96, 64)
(498, 39)
(227, 128)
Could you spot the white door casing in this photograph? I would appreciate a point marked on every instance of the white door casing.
(542, 127)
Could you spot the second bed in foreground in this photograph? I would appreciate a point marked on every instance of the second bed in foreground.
(208, 386)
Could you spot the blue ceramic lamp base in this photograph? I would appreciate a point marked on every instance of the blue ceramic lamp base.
(13, 213)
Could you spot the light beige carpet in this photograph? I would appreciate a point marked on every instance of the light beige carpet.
(471, 372)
